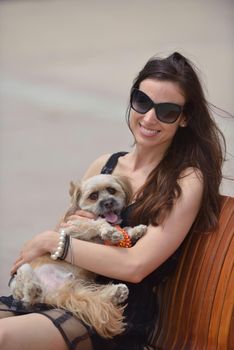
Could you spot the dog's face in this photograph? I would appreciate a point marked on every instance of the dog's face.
(103, 195)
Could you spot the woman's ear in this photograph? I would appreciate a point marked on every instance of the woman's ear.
(183, 123)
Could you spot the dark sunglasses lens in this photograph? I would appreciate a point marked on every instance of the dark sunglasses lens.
(140, 102)
(168, 112)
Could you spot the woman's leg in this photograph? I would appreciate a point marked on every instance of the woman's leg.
(4, 314)
(36, 331)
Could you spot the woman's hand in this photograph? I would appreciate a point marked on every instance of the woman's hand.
(45, 242)
(79, 215)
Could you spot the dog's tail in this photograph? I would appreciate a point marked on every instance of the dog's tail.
(92, 305)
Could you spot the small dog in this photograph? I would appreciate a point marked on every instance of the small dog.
(67, 286)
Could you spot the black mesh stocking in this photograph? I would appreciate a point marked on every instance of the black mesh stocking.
(73, 331)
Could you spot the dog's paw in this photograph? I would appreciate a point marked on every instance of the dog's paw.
(25, 285)
(111, 234)
(33, 294)
(137, 232)
(16, 289)
(121, 293)
(22, 276)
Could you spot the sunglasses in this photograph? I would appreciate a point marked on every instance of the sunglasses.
(166, 112)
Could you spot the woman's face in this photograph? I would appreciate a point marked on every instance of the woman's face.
(146, 128)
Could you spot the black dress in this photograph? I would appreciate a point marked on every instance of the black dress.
(141, 311)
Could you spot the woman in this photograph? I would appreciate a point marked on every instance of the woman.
(175, 172)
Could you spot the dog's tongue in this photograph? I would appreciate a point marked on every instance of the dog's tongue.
(111, 217)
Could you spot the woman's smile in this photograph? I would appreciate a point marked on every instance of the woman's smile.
(148, 131)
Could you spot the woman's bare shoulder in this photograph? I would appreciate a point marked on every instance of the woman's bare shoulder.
(96, 167)
(191, 173)
(192, 186)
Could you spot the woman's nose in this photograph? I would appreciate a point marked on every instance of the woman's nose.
(150, 116)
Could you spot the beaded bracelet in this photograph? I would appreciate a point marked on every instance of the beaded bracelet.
(63, 246)
(66, 247)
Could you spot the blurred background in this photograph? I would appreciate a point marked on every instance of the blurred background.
(66, 68)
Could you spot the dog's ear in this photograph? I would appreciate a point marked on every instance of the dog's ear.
(126, 186)
(72, 188)
(75, 192)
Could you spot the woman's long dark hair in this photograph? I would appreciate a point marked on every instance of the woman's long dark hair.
(200, 145)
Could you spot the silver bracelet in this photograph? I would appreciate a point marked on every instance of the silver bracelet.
(61, 246)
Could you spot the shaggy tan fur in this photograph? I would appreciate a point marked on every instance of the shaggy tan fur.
(67, 286)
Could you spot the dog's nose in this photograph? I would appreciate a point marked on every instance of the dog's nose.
(107, 203)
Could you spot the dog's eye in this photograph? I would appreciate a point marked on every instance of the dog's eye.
(111, 190)
(93, 196)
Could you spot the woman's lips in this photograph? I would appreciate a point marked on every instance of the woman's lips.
(147, 131)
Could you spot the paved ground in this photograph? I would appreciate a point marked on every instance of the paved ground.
(66, 68)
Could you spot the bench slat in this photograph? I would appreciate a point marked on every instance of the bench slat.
(197, 301)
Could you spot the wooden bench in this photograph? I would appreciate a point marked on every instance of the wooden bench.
(197, 301)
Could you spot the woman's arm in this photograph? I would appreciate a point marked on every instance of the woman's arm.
(130, 264)
(133, 264)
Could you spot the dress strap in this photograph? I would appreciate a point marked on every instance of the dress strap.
(112, 162)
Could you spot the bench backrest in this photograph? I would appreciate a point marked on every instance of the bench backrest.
(197, 301)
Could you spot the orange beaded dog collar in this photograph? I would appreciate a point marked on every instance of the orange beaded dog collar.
(125, 242)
